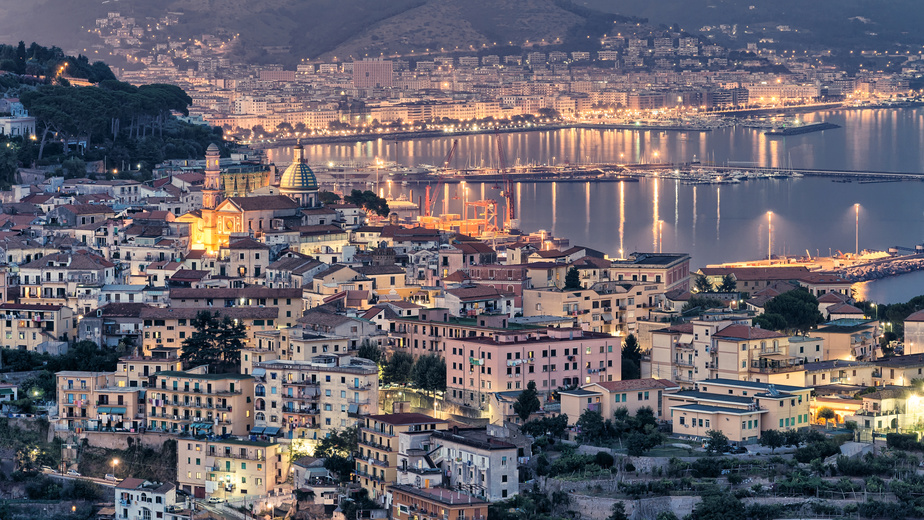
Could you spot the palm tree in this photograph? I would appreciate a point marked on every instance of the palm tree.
(826, 414)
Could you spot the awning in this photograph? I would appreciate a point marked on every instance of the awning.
(117, 410)
(354, 408)
(6, 391)
(257, 431)
(685, 338)
(259, 372)
(607, 316)
(201, 426)
(103, 409)
(271, 431)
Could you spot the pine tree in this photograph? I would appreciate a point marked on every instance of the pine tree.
(528, 402)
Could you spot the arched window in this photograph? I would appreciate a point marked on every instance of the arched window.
(261, 416)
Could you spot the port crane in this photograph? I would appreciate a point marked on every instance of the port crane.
(429, 203)
(510, 219)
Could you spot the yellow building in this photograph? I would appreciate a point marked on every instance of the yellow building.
(377, 464)
(194, 402)
(170, 327)
(739, 409)
(136, 371)
(606, 397)
(36, 327)
(231, 468)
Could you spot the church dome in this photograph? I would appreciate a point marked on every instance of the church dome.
(212, 148)
(298, 176)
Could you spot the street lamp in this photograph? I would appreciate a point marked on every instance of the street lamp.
(769, 237)
(114, 463)
(856, 208)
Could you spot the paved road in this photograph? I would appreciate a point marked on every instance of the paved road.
(102, 482)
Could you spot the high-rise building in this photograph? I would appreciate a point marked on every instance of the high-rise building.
(373, 73)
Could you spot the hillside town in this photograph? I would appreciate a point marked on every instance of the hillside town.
(324, 354)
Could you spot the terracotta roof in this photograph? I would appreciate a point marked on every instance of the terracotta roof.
(86, 209)
(30, 307)
(263, 203)
(746, 332)
(458, 276)
(916, 316)
(128, 310)
(78, 261)
(681, 328)
(844, 308)
(252, 292)
(633, 384)
(479, 292)
(372, 270)
(190, 274)
(832, 297)
(241, 313)
(246, 243)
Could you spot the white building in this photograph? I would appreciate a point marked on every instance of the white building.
(137, 499)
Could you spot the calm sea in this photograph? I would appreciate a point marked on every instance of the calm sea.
(713, 223)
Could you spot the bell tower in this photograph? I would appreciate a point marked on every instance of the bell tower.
(211, 191)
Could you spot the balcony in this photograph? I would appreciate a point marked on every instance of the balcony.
(373, 444)
(683, 362)
(218, 469)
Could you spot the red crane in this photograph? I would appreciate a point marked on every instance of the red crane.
(508, 184)
(429, 204)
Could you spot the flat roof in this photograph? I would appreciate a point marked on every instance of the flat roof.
(752, 384)
(705, 396)
(717, 409)
(442, 495)
(191, 375)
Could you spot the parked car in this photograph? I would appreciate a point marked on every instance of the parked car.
(215, 500)
(110, 476)
(73, 473)
(48, 469)
(738, 450)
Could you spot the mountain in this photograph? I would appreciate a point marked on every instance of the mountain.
(316, 28)
(344, 28)
(846, 24)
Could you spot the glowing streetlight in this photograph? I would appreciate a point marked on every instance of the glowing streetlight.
(114, 463)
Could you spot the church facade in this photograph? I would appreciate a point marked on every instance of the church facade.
(221, 218)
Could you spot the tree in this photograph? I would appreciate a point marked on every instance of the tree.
(573, 279)
(592, 428)
(429, 373)
(631, 358)
(398, 368)
(798, 307)
(369, 201)
(770, 321)
(546, 426)
(528, 402)
(371, 351)
(639, 443)
(702, 303)
(619, 512)
(728, 284)
(772, 439)
(717, 442)
(328, 197)
(215, 342)
(701, 284)
(719, 506)
(827, 414)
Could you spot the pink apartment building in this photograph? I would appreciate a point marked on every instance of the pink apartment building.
(479, 366)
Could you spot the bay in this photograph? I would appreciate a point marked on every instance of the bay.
(714, 223)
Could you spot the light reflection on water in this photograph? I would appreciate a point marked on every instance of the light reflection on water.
(809, 213)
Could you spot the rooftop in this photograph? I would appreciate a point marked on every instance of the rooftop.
(404, 418)
(716, 409)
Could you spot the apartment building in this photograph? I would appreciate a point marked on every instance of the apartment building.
(430, 329)
(71, 279)
(195, 402)
(36, 327)
(231, 468)
(477, 367)
(740, 409)
(287, 302)
(850, 339)
(478, 463)
(170, 327)
(840, 372)
(304, 401)
(606, 397)
(377, 464)
(93, 401)
(408, 503)
(137, 499)
(607, 307)
(137, 371)
(670, 270)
